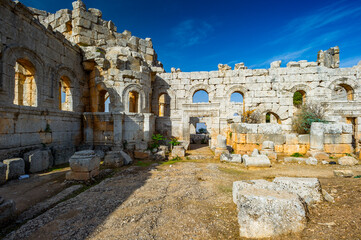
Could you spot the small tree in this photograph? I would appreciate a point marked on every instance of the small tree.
(202, 131)
(156, 139)
(307, 114)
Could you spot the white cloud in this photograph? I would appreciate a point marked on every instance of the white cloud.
(190, 32)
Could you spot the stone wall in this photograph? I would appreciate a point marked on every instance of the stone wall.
(50, 56)
(271, 90)
(334, 139)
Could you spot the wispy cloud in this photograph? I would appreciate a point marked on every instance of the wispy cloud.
(350, 62)
(310, 25)
(190, 32)
(285, 57)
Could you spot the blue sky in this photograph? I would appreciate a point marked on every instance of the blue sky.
(198, 35)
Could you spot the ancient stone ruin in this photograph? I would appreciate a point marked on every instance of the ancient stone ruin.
(71, 84)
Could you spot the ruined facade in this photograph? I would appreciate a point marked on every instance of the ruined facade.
(69, 81)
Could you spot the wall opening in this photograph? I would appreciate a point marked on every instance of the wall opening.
(349, 92)
(104, 101)
(133, 102)
(25, 84)
(237, 97)
(272, 118)
(299, 98)
(200, 96)
(163, 105)
(353, 121)
(65, 95)
(201, 128)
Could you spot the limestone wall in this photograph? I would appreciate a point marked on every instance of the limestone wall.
(265, 90)
(50, 56)
(334, 139)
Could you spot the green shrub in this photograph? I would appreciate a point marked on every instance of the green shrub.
(297, 154)
(174, 142)
(297, 99)
(156, 139)
(307, 114)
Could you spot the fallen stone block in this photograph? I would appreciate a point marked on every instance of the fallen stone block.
(237, 158)
(311, 161)
(3, 168)
(347, 161)
(255, 153)
(295, 160)
(343, 173)
(178, 151)
(15, 168)
(126, 158)
(327, 196)
(113, 159)
(7, 210)
(320, 155)
(258, 161)
(38, 160)
(264, 213)
(308, 189)
(270, 154)
(84, 165)
(159, 156)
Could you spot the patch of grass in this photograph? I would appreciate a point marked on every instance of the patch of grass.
(297, 154)
(58, 167)
(347, 154)
(172, 161)
(143, 164)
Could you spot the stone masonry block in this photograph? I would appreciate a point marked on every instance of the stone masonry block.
(15, 168)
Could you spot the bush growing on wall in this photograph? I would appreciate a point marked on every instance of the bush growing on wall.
(307, 114)
(251, 116)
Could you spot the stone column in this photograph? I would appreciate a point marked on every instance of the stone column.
(149, 124)
(317, 136)
(221, 145)
(88, 128)
(118, 128)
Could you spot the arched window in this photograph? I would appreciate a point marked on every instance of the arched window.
(104, 101)
(349, 91)
(25, 84)
(237, 97)
(299, 98)
(200, 96)
(272, 118)
(163, 107)
(65, 96)
(133, 101)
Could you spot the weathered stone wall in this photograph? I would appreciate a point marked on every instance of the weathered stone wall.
(51, 56)
(334, 139)
(265, 90)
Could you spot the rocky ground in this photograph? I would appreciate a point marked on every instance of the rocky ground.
(190, 199)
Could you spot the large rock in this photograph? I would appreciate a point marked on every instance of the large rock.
(38, 160)
(264, 213)
(178, 151)
(7, 210)
(113, 159)
(84, 161)
(255, 153)
(347, 161)
(236, 158)
(84, 165)
(15, 168)
(3, 168)
(311, 161)
(343, 173)
(308, 189)
(126, 158)
(258, 161)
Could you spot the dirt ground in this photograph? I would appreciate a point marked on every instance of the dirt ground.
(190, 199)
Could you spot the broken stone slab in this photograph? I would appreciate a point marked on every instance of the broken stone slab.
(237, 158)
(347, 161)
(266, 213)
(84, 161)
(42, 206)
(295, 160)
(308, 189)
(327, 196)
(7, 210)
(113, 159)
(3, 168)
(255, 153)
(38, 160)
(311, 161)
(126, 158)
(343, 173)
(178, 151)
(276, 64)
(270, 154)
(258, 161)
(15, 168)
